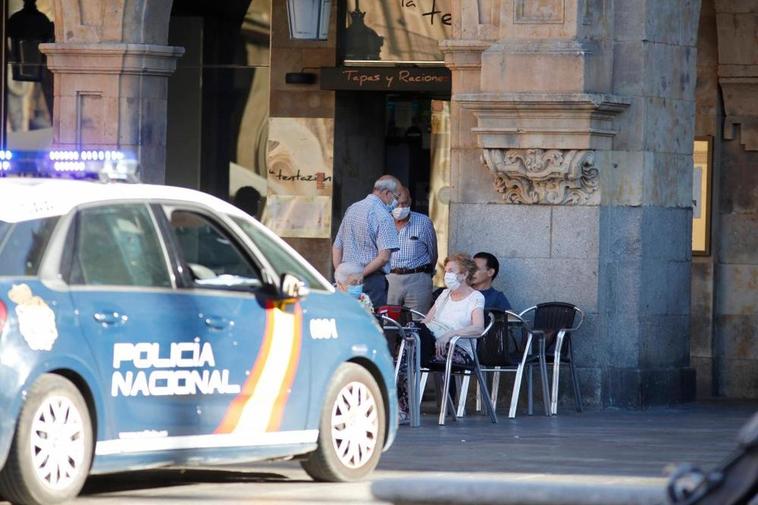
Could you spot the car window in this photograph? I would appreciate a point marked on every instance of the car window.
(23, 244)
(211, 255)
(118, 245)
(280, 259)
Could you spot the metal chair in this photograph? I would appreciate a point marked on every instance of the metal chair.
(401, 317)
(451, 368)
(554, 323)
(409, 342)
(500, 351)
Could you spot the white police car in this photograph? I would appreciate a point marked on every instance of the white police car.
(150, 326)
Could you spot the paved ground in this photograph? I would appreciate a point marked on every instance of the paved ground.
(601, 446)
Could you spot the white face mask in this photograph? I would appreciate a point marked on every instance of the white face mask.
(451, 281)
(400, 213)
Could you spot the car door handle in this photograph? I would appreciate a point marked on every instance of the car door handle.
(216, 322)
(110, 318)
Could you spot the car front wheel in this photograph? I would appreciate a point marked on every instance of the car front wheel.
(52, 448)
(352, 428)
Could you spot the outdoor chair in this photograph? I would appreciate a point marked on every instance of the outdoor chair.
(450, 369)
(400, 316)
(505, 348)
(554, 323)
(413, 363)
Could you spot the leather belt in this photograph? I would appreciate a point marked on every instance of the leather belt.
(417, 270)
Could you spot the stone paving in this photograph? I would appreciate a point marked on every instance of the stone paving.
(630, 448)
(615, 442)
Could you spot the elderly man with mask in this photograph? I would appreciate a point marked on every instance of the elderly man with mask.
(368, 237)
(412, 266)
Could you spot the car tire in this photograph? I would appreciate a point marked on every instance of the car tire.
(54, 419)
(351, 429)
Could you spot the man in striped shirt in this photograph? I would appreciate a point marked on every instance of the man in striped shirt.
(412, 266)
(367, 236)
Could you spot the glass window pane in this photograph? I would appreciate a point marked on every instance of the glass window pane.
(281, 260)
(23, 244)
(210, 254)
(118, 245)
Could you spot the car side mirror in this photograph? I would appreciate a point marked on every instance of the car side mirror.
(291, 287)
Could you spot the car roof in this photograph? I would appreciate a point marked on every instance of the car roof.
(23, 198)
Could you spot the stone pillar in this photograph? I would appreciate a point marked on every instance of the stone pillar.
(111, 64)
(583, 126)
(735, 331)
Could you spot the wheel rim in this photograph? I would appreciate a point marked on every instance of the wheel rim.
(355, 425)
(57, 442)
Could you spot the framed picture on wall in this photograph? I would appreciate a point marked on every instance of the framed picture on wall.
(701, 196)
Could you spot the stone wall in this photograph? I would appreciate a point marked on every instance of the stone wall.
(724, 290)
(736, 269)
(736, 308)
(583, 113)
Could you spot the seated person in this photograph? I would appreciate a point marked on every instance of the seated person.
(458, 311)
(349, 279)
(487, 268)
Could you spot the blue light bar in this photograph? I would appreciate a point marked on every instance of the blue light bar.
(103, 165)
(86, 155)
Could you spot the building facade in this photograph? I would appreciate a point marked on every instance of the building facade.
(606, 151)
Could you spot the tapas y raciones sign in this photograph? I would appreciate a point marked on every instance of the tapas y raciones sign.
(434, 79)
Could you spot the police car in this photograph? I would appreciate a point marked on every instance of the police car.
(150, 326)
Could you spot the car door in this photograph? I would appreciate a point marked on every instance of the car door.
(149, 356)
(256, 340)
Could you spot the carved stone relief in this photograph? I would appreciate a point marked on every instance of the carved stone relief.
(544, 176)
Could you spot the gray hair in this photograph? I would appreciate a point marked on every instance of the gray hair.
(345, 270)
(386, 183)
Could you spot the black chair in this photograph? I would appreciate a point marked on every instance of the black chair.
(505, 348)
(553, 323)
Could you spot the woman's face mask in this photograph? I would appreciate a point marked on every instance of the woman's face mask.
(400, 213)
(451, 281)
(355, 290)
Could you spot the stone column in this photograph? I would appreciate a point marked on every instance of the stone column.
(111, 64)
(735, 250)
(583, 128)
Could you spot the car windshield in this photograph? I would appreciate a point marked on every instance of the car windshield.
(23, 244)
(281, 260)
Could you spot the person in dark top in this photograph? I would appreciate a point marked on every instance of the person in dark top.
(487, 268)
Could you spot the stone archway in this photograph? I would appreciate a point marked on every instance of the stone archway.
(111, 64)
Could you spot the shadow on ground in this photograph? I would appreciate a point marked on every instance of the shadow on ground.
(152, 479)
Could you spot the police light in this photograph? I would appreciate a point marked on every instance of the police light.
(91, 164)
(86, 155)
(103, 165)
(5, 161)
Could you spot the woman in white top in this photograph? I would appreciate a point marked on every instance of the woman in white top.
(459, 310)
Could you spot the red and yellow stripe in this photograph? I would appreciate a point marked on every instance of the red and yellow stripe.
(259, 407)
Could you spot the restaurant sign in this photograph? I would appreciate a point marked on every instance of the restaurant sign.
(431, 79)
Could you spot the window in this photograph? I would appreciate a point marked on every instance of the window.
(214, 260)
(118, 245)
(23, 244)
(281, 260)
